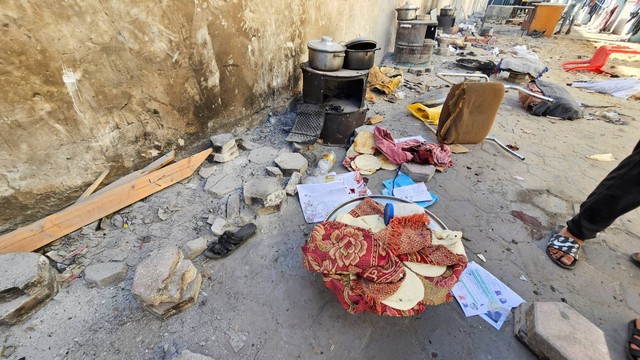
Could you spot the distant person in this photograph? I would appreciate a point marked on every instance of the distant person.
(617, 194)
(567, 16)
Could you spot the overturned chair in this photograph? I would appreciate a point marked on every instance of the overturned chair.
(470, 108)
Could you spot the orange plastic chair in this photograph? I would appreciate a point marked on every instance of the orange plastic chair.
(598, 60)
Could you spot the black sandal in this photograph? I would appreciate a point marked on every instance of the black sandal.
(228, 241)
(633, 354)
(566, 245)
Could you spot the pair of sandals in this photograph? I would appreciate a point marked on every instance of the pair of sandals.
(229, 241)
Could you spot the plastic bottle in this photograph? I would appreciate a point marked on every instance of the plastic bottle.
(325, 164)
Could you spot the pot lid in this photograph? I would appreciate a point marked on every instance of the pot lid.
(325, 44)
(408, 6)
(361, 40)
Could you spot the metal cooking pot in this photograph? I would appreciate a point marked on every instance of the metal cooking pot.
(325, 55)
(360, 54)
(407, 12)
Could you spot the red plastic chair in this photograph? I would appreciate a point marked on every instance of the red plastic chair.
(598, 60)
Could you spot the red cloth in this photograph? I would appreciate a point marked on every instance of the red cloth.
(363, 269)
(420, 152)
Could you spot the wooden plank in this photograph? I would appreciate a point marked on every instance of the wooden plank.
(44, 231)
(93, 186)
(159, 163)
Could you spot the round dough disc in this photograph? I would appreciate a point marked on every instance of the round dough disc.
(411, 291)
(366, 164)
(425, 269)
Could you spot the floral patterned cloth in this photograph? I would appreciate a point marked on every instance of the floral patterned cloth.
(363, 269)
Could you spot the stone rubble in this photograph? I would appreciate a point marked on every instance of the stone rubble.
(221, 184)
(192, 249)
(275, 172)
(292, 186)
(105, 274)
(417, 172)
(27, 283)
(291, 162)
(265, 195)
(224, 147)
(217, 228)
(165, 283)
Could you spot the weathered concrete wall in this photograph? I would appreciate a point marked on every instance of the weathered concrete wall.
(147, 73)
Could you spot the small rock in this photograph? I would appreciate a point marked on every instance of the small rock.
(222, 143)
(292, 186)
(205, 172)
(163, 215)
(218, 226)
(227, 156)
(266, 195)
(105, 274)
(417, 172)
(188, 355)
(211, 219)
(275, 172)
(291, 162)
(117, 255)
(194, 248)
(117, 221)
(263, 155)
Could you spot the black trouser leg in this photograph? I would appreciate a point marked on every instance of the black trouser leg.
(617, 194)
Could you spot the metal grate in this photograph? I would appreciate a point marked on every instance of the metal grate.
(308, 125)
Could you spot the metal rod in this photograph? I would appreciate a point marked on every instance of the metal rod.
(464, 75)
(537, 96)
(504, 147)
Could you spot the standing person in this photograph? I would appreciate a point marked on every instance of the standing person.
(567, 16)
(617, 194)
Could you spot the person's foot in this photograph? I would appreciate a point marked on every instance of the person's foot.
(634, 339)
(562, 256)
(635, 259)
(568, 32)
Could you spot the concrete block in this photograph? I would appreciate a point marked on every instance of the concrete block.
(222, 184)
(153, 273)
(292, 188)
(263, 193)
(291, 162)
(192, 249)
(555, 331)
(222, 143)
(275, 172)
(248, 145)
(263, 155)
(417, 172)
(105, 274)
(218, 226)
(226, 156)
(233, 206)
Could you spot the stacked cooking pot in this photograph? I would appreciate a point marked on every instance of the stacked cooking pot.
(327, 55)
(414, 38)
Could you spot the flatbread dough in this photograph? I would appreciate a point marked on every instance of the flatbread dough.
(411, 291)
(366, 164)
(425, 269)
(364, 143)
(452, 240)
(385, 164)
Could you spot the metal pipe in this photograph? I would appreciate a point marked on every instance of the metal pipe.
(464, 75)
(504, 147)
(537, 96)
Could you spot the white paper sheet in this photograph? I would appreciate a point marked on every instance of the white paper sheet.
(319, 199)
(480, 293)
(414, 193)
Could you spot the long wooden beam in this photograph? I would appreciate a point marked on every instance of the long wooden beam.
(97, 206)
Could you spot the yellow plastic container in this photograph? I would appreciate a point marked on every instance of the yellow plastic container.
(425, 114)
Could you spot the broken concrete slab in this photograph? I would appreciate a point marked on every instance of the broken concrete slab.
(205, 172)
(263, 193)
(227, 156)
(222, 184)
(417, 172)
(233, 206)
(211, 219)
(117, 255)
(105, 274)
(275, 172)
(555, 331)
(192, 249)
(222, 143)
(245, 144)
(292, 185)
(291, 162)
(217, 228)
(263, 155)
(27, 283)
(188, 355)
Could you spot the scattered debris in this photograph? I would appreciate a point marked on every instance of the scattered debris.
(266, 195)
(418, 172)
(217, 228)
(291, 188)
(376, 119)
(105, 274)
(291, 162)
(481, 257)
(275, 172)
(192, 249)
(602, 157)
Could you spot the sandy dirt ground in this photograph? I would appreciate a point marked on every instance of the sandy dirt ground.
(262, 296)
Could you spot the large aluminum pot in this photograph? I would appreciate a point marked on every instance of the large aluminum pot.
(361, 53)
(407, 12)
(325, 55)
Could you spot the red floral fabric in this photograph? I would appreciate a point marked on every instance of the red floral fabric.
(362, 269)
